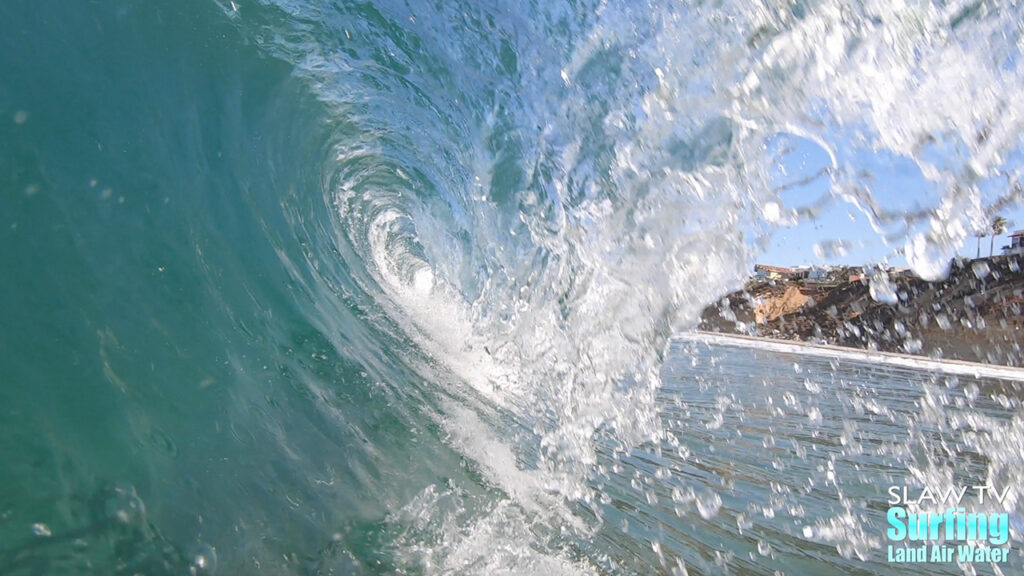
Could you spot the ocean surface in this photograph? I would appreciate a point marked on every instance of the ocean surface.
(328, 287)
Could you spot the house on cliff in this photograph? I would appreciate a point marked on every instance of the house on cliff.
(1016, 246)
(773, 272)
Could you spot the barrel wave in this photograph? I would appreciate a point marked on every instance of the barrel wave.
(332, 287)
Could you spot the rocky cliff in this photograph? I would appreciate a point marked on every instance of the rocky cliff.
(975, 314)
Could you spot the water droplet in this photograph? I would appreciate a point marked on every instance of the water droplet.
(708, 506)
(980, 269)
(929, 258)
(744, 523)
(20, 117)
(881, 289)
(814, 415)
(899, 327)
(830, 249)
(41, 530)
(971, 391)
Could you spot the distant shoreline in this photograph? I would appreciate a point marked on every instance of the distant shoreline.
(974, 314)
(957, 367)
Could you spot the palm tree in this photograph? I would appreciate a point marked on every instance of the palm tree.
(998, 227)
(979, 236)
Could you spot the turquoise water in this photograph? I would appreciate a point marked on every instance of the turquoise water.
(332, 287)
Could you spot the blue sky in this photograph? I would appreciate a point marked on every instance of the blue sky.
(895, 185)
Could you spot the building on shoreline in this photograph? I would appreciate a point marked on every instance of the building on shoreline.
(1016, 244)
(773, 272)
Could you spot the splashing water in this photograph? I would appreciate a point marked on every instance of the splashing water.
(333, 287)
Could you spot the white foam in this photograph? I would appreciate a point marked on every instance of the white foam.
(883, 358)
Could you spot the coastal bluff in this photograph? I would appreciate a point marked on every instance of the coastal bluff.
(975, 314)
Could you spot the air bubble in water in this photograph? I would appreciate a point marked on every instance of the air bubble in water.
(124, 505)
(202, 559)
